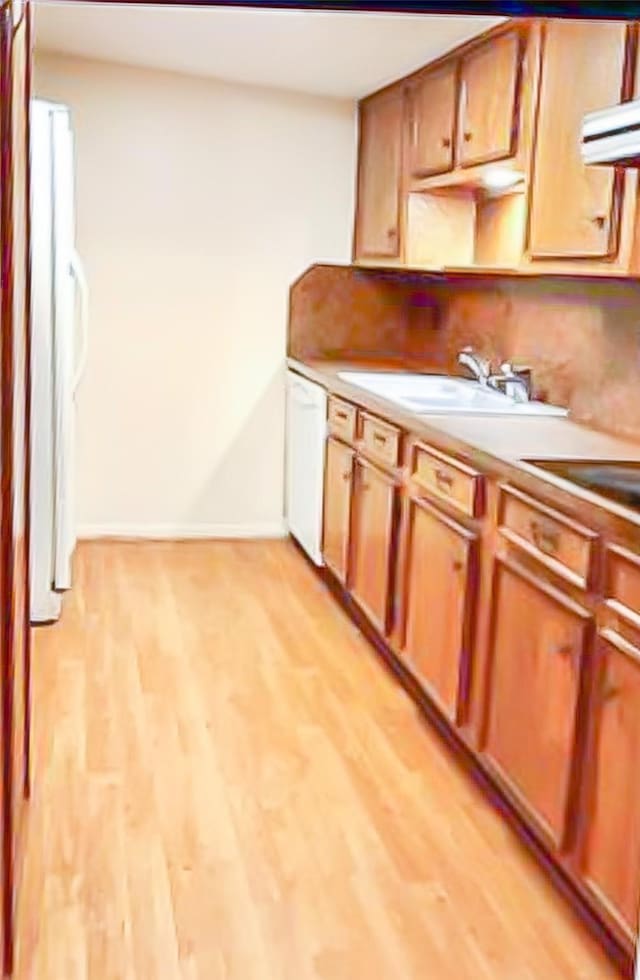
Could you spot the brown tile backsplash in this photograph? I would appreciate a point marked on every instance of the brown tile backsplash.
(337, 312)
(580, 337)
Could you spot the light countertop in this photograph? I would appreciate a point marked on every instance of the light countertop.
(515, 438)
(509, 439)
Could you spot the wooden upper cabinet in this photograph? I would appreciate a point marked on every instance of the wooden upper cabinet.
(539, 640)
(574, 209)
(337, 506)
(610, 852)
(489, 99)
(373, 542)
(432, 110)
(440, 580)
(377, 233)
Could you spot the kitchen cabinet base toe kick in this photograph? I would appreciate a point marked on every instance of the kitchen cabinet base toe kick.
(476, 768)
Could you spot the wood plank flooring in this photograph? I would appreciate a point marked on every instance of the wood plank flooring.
(229, 786)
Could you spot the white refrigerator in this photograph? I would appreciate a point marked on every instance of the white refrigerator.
(58, 354)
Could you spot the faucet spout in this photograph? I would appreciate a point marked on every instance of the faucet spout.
(476, 365)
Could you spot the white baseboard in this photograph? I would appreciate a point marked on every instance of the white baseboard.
(177, 532)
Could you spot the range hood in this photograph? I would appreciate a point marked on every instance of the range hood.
(612, 135)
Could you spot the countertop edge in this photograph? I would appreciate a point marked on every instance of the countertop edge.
(325, 374)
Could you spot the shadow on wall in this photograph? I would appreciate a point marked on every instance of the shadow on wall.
(242, 507)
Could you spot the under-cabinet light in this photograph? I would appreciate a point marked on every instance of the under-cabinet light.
(500, 178)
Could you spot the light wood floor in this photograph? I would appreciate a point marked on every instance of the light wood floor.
(229, 785)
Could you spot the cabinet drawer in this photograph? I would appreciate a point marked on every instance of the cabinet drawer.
(562, 545)
(342, 418)
(448, 479)
(622, 583)
(379, 440)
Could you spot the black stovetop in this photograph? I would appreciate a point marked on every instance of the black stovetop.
(616, 481)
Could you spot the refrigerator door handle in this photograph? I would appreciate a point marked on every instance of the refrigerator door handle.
(77, 272)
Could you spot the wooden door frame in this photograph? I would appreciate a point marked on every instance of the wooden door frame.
(7, 432)
(27, 414)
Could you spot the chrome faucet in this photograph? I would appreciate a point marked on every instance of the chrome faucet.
(514, 384)
(478, 366)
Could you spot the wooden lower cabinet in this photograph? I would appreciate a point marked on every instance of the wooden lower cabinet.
(539, 641)
(338, 479)
(609, 859)
(439, 604)
(558, 703)
(373, 530)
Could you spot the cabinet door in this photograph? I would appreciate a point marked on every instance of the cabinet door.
(610, 855)
(573, 208)
(373, 544)
(432, 102)
(439, 604)
(337, 506)
(539, 637)
(379, 172)
(489, 100)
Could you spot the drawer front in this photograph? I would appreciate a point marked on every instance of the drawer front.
(379, 440)
(562, 545)
(622, 588)
(342, 419)
(447, 479)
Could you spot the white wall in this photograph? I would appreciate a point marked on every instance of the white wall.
(198, 202)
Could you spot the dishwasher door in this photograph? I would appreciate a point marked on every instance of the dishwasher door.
(306, 428)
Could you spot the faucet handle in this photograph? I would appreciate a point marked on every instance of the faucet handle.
(516, 381)
(473, 353)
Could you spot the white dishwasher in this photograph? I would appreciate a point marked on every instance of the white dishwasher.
(306, 428)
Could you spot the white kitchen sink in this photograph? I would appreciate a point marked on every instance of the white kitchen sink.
(439, 394)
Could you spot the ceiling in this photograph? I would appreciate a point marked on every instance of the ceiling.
(330, 53)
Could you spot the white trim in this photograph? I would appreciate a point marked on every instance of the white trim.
(46, 609)
(609, 149)
(169, 532)
(602, 121)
